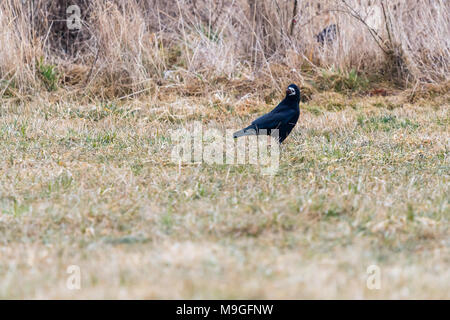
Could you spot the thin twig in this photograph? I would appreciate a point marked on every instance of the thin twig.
(372, 32)
(294, 14)
(387, 25)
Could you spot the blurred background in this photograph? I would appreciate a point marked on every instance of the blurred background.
(120, 47)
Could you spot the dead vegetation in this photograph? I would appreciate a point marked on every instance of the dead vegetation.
(130, 47)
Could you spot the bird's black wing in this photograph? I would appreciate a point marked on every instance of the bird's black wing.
(274, 119)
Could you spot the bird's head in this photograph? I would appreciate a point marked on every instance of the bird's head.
(293, 92)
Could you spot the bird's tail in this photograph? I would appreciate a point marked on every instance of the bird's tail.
(244, 132)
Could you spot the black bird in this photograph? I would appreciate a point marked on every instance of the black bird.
(283, 117)
(327, 35)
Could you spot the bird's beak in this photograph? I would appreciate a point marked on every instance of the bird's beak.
(290, 91)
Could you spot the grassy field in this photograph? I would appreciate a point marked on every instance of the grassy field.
(363, 180)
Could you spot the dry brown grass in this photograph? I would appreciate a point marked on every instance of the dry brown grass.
(131, 47)
(360, 183)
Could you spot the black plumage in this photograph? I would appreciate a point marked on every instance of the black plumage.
(283, 117)
(327, 35)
